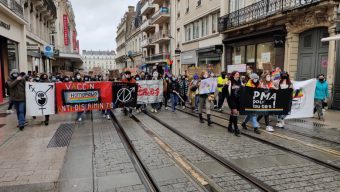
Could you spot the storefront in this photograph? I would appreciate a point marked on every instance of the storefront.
(12, 46)
(210, 58)
(188, 60)
(260, 50)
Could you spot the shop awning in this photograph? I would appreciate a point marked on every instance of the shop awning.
(70, 56)
(33, 54)
(332, 38)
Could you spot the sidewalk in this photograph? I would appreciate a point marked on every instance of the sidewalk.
(26, 164)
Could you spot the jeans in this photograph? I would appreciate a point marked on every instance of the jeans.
(166, 98)
(20, 106)
(253, 119)
(266, 119)
(174, 101)
(185, 98)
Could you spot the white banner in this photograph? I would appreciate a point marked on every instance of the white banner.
(40, 99)
(242, 68)
(208, 86)
(303, 99)
(150, 91)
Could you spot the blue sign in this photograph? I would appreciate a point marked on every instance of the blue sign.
(48, 51)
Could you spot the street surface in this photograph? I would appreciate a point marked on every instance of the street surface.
(173, 150)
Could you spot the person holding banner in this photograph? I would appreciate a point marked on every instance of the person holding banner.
(78, 78)
(184, 87)
(266, 83)
(284, 83)
(16, 84)
(193, 86)
(128, 79)
(155, 106)
(166, 91)
(206, 99)
(254, 82)
(234, 86)
(321, 94)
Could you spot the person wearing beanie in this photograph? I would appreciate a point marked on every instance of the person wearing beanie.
(16, 84)
(254, 82)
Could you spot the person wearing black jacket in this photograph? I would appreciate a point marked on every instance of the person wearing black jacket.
(234, 86)
(174, 89)
(78, 78)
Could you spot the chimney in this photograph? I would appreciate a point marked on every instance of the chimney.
(131, 9)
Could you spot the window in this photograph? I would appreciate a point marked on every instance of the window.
(204, 26)
(238, 55)
(265, 54)
(188, 32)
(196, 30)
(214, 22)
(250, 54)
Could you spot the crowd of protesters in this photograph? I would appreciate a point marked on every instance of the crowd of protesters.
(179, 90)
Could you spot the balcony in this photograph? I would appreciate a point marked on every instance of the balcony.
(14, 6)
(147, 43)
(161, 16)
(260, 10)
(148, 7)
(158, 58)
(161, 37)
(46, 6)
(147, 26)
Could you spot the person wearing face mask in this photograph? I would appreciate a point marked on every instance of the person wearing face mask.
(174, 92)
(16, 84)
(194, 97)
(155, 106)
(284, 83)
(254, 82)
(78, 79)
(166, 91)
(266, 83)
(128, 79)
(222, 85)
(321, 95)
(234, 87)
(204, 99)
(184, 88)
(66, 79)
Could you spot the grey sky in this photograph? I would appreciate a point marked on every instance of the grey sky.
(97, 22)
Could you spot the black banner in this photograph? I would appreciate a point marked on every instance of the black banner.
(124, 94)
(264, 101)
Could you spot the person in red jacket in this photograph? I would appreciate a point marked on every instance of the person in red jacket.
(128, 79)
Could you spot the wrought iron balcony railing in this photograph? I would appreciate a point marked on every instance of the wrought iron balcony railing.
(14, 6)
(260, 10)
(157, 58)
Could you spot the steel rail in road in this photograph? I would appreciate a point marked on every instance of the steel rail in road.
(307, 157)
(141, 169)
(260, 184)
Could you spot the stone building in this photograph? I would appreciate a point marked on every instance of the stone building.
(65, 40)
(285, 34)
(194, 26)
(13, 51)
(103, 60)
(41, 17)
(122, 36)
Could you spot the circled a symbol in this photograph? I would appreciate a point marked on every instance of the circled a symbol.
(41, 98)
(124, 95)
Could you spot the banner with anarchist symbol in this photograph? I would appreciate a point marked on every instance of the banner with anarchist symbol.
(40, 99)
(150, 91)
(264, 101)
(124, 94)
(83, 96)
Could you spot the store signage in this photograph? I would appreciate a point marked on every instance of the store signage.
(33, 47)
(74, 40)
(65, 20)
(48, 51)
(5, 25)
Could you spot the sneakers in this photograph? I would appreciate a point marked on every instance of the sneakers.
(108, 117)
(9, 111)
(280, 124)
(46, 123)
(155, 110)
(152, 110)
(183, 107)
(269, 128)
(257, 131)
(166, 108)
(237, 132)
(220, 110)
(79, 119)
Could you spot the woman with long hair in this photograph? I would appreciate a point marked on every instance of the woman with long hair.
(234, 86)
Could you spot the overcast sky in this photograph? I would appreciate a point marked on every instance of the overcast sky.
(97, 22)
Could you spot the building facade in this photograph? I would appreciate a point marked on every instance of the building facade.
(122, 36)
(41, 17)
(65, 40)
(285, 34)
(13, 51)
(99, 62)
(196, 34)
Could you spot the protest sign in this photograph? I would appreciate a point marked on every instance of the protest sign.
(242, 68)
(77, 97)
(150, 91)
(40, 99)
(124, 94)
(303, 99)
(208, 86)
(273, 102)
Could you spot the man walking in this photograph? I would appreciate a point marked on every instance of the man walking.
(16, 84)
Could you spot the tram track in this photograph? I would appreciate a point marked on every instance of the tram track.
(142, 171)
(286, 149)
